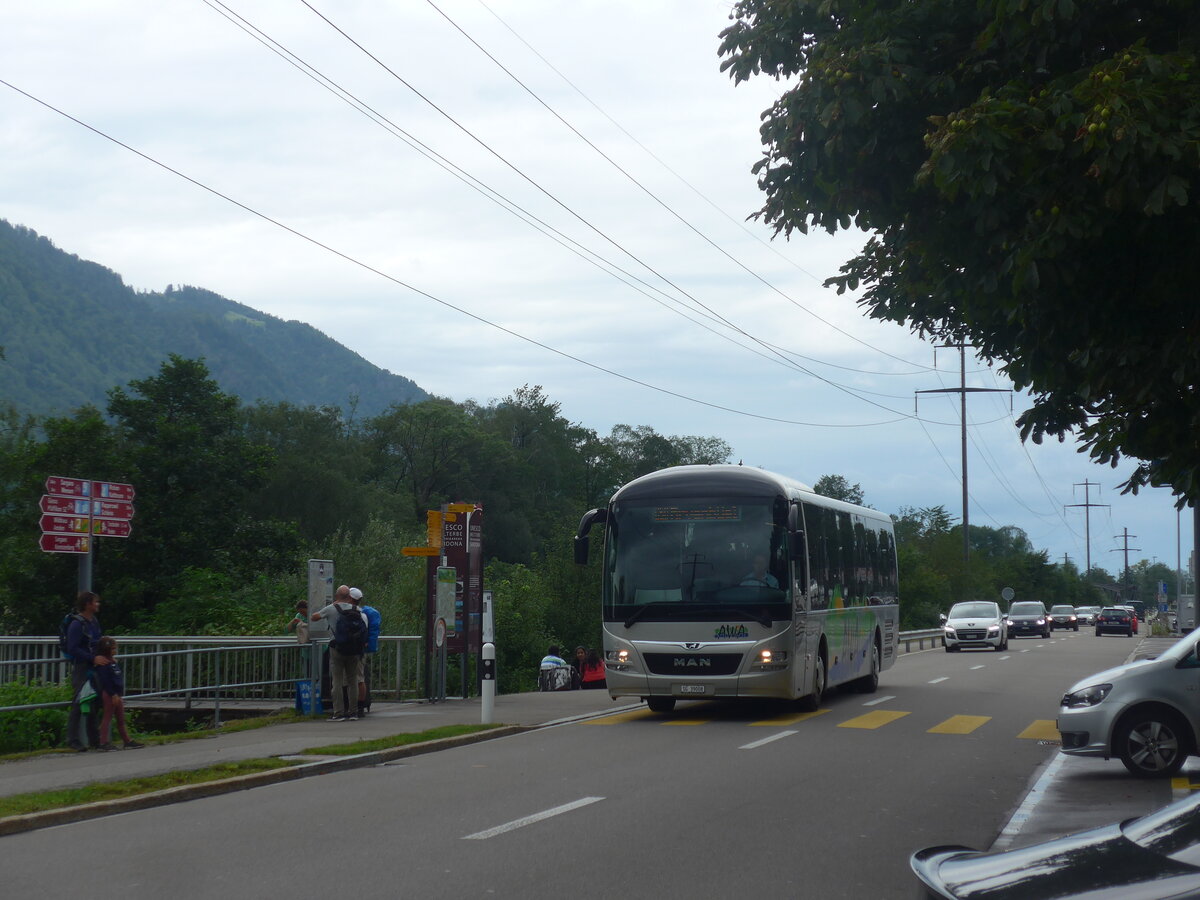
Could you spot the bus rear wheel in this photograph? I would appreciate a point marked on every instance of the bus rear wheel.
(869, 683)
(661, 704)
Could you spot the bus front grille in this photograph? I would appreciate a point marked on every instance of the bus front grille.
(693, 664)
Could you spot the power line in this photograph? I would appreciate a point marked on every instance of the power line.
(367, 267)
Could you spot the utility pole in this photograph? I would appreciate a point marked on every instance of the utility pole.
(1087, 505)
(1125, 536)
(1066, 560)
(962, 390)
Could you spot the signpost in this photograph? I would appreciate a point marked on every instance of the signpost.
(76, 510)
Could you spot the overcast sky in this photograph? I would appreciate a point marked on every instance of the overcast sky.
(469, 232)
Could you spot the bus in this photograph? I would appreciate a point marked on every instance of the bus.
(730, 581)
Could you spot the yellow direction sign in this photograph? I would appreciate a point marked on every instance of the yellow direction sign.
(420, 551)
(460, 507)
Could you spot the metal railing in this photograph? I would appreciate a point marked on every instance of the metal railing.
(202, 669)
(932, 635)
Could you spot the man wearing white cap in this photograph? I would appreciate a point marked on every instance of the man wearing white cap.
(345, 650)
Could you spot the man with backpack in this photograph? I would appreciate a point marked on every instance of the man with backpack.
(77, 637)
(346, 647)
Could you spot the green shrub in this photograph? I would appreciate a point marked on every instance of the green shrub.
(32, 729)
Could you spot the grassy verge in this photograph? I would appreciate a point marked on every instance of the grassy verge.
(40, 801)
(282, 717)
(396, 740)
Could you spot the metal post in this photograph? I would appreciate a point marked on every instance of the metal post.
(217, 695)
(187, 698)
(488, 688)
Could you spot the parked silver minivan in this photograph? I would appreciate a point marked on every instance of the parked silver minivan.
(1144, 713)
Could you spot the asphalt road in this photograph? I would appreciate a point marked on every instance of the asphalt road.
(714, 800)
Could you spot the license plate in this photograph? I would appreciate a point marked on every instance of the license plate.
(691, 689)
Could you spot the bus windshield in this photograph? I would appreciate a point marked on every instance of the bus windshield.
(696, 560)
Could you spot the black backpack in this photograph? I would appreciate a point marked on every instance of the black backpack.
(350, 632)
(63, 627)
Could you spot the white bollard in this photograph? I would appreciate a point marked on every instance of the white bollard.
(489, 683)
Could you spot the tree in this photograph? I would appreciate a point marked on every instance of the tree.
(195, 473)
(839, 488)
(1027, 170)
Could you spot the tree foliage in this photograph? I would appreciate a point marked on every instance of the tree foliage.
(1027, 171)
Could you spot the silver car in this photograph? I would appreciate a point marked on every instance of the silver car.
(1144, 712)
(978, 623)
(1087, 614)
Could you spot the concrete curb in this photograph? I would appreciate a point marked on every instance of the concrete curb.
(69, 814)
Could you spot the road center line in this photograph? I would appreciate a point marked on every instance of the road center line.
(878, 700)
(767, 740)
(529, 820)
(943, 678)
(973, 668)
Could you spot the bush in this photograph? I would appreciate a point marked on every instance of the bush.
(32, 729)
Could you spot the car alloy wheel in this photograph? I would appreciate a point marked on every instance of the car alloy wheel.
(1151, 745)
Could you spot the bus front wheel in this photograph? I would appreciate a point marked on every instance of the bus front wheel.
(661, 704)
(812, 702)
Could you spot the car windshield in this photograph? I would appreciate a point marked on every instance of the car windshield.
(1114, 611)
(973, 611)
(1026, 609)
(1087, 609)
(1062, 610)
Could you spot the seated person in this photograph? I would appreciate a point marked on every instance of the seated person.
(552, 660)
(759, 577)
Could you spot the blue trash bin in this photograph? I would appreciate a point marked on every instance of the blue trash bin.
(306, 693)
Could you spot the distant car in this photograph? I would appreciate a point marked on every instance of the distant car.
(1153, 857)
(1087, 614)
(1144, 712)
(1114, 620)
(1063, 616)
(976, 623)
(1028, 617)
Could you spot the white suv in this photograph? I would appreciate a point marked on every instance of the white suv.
(978, 623)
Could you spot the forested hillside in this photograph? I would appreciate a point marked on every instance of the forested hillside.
(72, 329)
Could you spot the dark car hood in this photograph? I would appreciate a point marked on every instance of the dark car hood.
(1101, 864)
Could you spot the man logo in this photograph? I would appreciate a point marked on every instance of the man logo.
(691, 646)
(691, 662)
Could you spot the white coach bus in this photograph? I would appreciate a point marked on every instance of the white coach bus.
(727, 581)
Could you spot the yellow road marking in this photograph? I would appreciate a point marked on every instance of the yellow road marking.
(615, 718)
(686, 722)
(790, 718)
(960, 725)
(876, 719)
(1041, 730)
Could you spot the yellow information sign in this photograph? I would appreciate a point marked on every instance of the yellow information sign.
(420, 551)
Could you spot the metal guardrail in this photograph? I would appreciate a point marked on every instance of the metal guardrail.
(211, 669)
(908, 638)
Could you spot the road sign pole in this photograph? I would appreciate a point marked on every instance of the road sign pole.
(85, 563)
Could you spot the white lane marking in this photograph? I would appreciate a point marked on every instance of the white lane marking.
(1036, 794)
(767, 740)
(943, 678)
(529, 820)
(880, 700)
(973, 668)
(1002, 657)
(1026, 650)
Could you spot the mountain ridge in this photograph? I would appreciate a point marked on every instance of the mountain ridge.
(72, 330)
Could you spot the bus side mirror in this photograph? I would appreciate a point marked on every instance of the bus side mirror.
(590, 518)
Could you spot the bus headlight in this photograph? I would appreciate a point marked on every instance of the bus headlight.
(767, 660)
(616, 659)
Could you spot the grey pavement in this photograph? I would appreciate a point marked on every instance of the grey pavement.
(53, 771)
(1066, 795)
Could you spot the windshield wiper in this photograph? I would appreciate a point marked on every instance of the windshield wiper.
(762, 618)
(731, 611)
(641, 611)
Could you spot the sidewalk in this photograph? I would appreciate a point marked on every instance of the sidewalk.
(65, 770)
